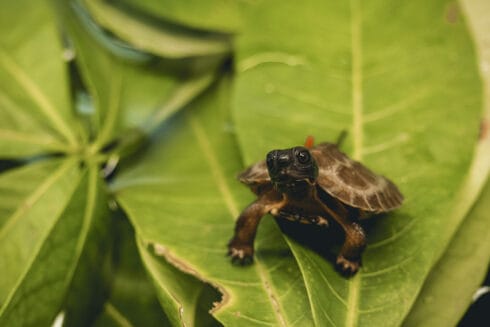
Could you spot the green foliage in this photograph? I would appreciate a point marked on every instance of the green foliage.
(129, 126)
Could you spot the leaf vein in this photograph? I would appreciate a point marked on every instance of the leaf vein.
(47, 108)
(357, 106)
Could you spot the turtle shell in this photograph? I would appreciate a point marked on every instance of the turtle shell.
(255, 176)
(352, 183)
(341, 177)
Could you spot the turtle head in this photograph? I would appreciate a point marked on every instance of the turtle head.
(290, 167)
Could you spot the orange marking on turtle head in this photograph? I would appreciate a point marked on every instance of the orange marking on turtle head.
(309, 142)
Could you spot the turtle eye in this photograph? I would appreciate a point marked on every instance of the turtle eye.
(303, 156)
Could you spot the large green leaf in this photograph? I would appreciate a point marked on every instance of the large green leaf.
(35, 113)
(396, 76)
(181, 197)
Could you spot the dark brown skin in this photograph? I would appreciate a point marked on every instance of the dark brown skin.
(291, 185)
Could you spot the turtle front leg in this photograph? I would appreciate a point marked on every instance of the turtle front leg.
(241, 246)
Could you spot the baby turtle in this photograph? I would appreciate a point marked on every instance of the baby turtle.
(313, 185)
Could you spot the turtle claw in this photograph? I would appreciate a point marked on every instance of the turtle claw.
(346, 266)
(240, 255)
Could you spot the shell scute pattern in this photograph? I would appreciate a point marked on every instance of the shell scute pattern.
(353, 183)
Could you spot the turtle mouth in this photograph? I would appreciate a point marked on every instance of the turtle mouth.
(286, 179)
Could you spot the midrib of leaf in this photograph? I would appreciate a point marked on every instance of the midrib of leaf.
(87, 217)
(220, 180)
(35, 196)
(357, 122)
(38, 97)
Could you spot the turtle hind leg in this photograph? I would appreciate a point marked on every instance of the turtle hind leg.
(349, 257)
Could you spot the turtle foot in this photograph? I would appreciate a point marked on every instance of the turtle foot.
(240, 254)
(346, 266)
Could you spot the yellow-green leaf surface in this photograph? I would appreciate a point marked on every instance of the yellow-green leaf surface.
(401, 78)
(156, 36)
(182, 198)
(35, 112)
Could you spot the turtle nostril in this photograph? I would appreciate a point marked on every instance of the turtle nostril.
(283, 160)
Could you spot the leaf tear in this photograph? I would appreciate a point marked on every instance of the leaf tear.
(162, 251)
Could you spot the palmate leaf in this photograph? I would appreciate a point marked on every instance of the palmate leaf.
(35, 112)
(55, 215)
